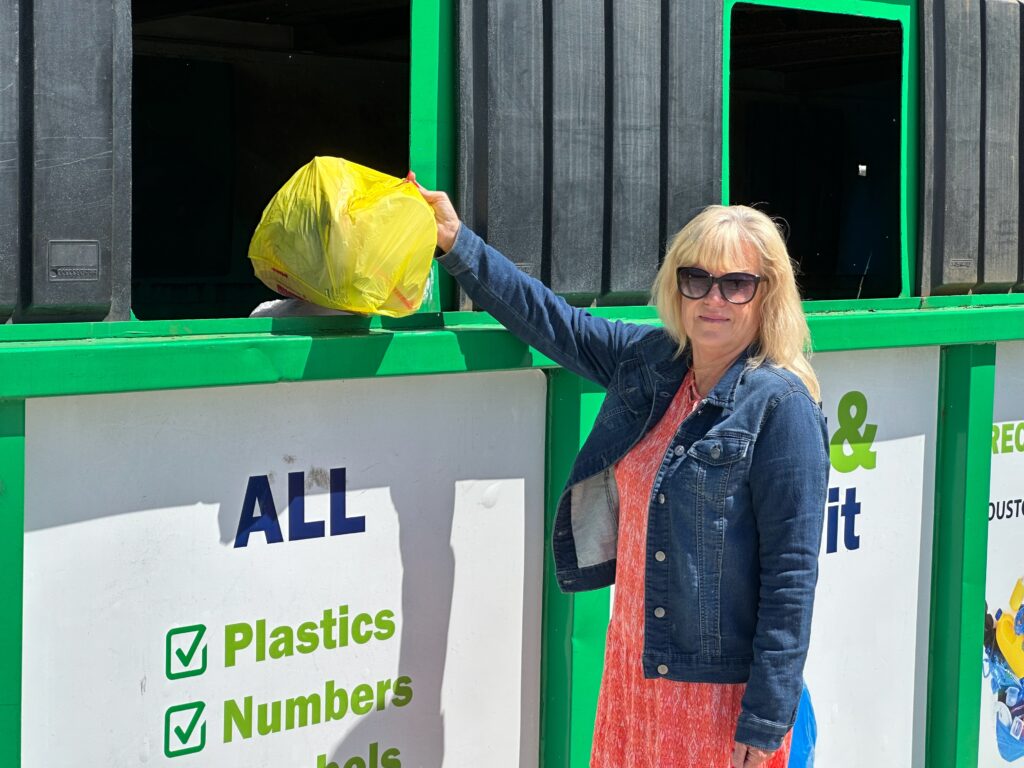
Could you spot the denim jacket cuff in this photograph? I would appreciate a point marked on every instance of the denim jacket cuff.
(464, 253)
(762, 734)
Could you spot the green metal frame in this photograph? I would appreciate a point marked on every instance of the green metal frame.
(12, 540)
(45, 360)
(563, 430)
(904, 12)
(574, 624)
(79, 359)
(432, 113)
(573, 652)
(959, 554)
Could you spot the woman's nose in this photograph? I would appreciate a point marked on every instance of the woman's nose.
(714, 296)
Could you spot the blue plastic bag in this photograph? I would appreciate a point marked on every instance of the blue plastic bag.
(805, 734)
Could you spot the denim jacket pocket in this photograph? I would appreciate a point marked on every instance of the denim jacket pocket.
(721, 463)
(720, 449)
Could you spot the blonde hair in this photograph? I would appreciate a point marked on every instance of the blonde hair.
(711, 240)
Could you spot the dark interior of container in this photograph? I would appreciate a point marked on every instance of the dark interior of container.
(229, 99)
(814, 138)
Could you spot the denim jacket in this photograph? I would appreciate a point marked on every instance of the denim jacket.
(735, 515)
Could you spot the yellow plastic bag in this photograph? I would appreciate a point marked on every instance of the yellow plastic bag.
(346, 237)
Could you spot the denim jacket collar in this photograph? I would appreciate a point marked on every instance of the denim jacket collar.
(669, 369)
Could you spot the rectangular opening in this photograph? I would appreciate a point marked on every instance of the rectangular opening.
(229, 100)
(815, 125)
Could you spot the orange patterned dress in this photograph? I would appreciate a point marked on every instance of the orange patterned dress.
(652, 723)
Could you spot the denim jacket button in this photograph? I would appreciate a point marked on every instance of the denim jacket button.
(662, 669)
(659, 556)
(716, 452)
(680, 450)
(659, 612)
(661, 498)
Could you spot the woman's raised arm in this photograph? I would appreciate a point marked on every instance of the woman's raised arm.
(572, 337)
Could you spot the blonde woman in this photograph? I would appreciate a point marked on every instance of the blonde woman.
(699, 492)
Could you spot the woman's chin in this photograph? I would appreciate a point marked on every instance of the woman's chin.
(718, 343)
(712, 337)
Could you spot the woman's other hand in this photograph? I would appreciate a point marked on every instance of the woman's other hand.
(444, 213)
(745, 756)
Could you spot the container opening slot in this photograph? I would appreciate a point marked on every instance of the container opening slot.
(815, 109)
(228, 100)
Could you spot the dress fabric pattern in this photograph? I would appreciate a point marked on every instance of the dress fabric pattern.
(655, 723)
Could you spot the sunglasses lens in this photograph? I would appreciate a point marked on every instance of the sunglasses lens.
(694, 283)
(738, 287)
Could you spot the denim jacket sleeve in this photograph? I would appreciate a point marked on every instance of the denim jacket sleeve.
(788, 482)
(573, 338)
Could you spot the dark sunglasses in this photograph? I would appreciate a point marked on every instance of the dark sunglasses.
(736, 287)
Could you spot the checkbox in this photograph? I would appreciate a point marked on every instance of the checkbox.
(186, 652)
(184, 734)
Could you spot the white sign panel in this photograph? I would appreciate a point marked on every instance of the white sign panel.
(1001, 741)
(339, 574)
(867, 666)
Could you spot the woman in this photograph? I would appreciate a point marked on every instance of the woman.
(699, 492)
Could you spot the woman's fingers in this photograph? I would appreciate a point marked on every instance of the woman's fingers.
(444, 213)
(756, 757)
(745, 756)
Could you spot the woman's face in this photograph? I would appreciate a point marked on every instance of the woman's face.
(716, 327)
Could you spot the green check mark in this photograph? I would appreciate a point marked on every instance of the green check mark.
(185, 735)
(194, 711)
(184, 658)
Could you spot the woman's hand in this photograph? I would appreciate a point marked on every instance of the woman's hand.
(746, 756)
(444, 213)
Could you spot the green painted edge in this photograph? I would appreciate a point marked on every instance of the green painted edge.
(726, 100)
(860, 305)
(973, 300)
(138, 363)
(914, 328)
(144, 329)
(85, 367)
(432, 113)
(563, 426)
(313, 326)
(12, 544)
(321, 326)
(894, 10)
(911, 152)
(959, 554)
(591, 611)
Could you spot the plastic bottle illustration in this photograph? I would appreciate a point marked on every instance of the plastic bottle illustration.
(1004, 666)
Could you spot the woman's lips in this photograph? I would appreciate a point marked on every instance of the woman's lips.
(709, 319)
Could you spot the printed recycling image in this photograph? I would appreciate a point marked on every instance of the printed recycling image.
(1004, 667)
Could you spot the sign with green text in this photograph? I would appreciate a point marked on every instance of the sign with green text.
(868, 660)
(340, 574)
(1001, 741)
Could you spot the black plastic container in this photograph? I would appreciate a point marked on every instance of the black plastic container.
(69, 196)
(971, 222)
(9, 158)
(589, 133)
